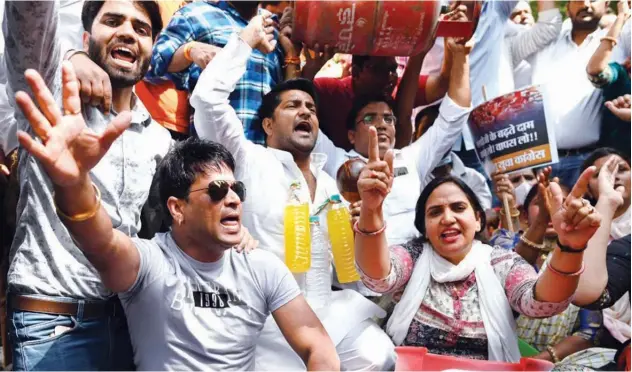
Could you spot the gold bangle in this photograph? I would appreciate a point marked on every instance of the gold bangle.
(553, 355)
(80, 217)
(512, 213)
(187, 51)
(611, 39)
(531, 244)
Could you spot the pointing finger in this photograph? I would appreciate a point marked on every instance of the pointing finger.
(581, 186)
(389, 158)
(374, 151)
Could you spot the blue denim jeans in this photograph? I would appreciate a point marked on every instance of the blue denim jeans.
(568, 169)
(41, 342)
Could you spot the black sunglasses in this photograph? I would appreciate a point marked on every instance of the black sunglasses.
(218, 189)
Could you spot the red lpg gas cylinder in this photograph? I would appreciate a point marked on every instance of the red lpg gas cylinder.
(377, 28)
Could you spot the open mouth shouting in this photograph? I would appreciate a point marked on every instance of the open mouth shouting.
(303, 128)
(123, 56)
(231, 222)
(450, 235)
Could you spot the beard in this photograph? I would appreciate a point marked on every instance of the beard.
(119, 78)
(580, 24)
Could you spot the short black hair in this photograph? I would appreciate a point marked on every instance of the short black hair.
(357, 60)
(92, 7)
(361, 102)
(420, 210)
(272, 99)
(428, 110)
(602, 152)
(184, 162)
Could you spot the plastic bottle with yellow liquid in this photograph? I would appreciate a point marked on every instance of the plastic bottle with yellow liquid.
(342, 245)
(298, 251)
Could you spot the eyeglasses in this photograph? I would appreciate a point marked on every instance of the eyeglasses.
(372, 119)
(218, 189)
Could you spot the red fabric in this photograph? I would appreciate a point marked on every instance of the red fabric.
(336, 100)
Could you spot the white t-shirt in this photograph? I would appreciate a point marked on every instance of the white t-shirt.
(189, 315)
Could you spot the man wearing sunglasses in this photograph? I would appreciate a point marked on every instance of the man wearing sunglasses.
(289, 119)
(191, 301)
(414, 162)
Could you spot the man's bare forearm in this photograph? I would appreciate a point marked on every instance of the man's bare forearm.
(459, 86)
(323, 359)
(405, 100)
(600, 59)
(179, 61)
(94, 234)
(110, 251)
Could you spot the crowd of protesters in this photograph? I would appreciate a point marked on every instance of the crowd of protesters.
(148, 149)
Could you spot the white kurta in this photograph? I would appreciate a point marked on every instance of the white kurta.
(267, 174)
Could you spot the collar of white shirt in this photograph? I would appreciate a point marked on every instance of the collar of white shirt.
(318, 160)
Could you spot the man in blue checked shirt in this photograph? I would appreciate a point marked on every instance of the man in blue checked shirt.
(192, 38)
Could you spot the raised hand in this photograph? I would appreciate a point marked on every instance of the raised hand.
(504, 188)
(376, 178)
(315, 59)
(259, 33)
(574, 219)
(202, 54)
(607, 178)
(620, 107)
(623, 9)
(459, 46)
(68, 148)
(95, 86)
(542, 185)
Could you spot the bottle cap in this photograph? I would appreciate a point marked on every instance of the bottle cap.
(314, 219)
(335, 199)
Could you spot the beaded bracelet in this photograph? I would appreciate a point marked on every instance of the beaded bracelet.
(80, 217)
(553, 355)
(531, 244)
(364, 233)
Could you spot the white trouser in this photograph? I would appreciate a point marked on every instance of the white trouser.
(360, 343)
(367, 348)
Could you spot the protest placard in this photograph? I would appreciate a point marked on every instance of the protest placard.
(511, 132)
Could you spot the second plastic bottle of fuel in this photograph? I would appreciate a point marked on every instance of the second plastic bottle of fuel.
(318, 277)
(296, 232)
(342, 245)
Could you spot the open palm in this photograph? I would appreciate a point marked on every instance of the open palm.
(68, 148)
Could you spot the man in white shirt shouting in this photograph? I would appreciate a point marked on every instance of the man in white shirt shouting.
(289, 119)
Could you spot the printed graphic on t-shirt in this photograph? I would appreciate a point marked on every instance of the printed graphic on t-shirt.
(401, 171)
(207, 296)
(210, 300)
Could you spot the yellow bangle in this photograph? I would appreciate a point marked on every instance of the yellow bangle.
(553, 354)
(611, 39)
(80, 217)
(187, 51)
(512, 213)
